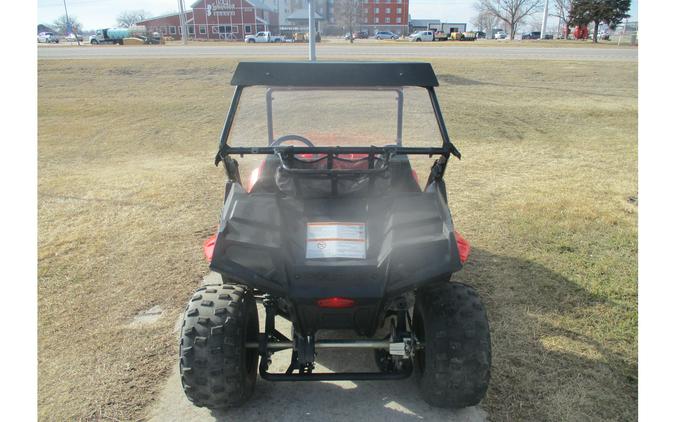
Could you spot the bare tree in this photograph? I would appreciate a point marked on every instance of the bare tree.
(130, 18)
(61, 25)
(349, 14)
(562, 11)
(484, 21)
(512, 12)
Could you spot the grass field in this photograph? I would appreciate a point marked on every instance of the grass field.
(546, 192)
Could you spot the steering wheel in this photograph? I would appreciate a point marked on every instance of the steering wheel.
(292, 137)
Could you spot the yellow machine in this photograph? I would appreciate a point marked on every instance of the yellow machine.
(463, 36)
(299, 37)
(304, 37)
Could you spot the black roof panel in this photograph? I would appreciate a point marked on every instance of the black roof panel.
(334, 74)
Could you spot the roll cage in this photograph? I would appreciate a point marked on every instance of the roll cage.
(335, 76)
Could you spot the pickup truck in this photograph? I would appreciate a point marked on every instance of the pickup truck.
(264, 36)
(422, 36)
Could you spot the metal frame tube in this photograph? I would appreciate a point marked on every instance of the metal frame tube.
(225, 133)
(328, 344)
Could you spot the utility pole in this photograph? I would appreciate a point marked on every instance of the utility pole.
(70, 25)
(183, 22)
(543, 22)
(312, 37)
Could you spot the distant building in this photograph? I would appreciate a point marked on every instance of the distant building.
(447, 27)
(212, 19)
(386, 15)
(422, 24)
(44, 28)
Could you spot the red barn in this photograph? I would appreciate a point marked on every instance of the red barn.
(213, 19)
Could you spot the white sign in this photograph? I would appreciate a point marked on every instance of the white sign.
(220, 8)
(336, 240)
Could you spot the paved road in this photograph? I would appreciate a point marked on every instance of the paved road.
(326, 51)
(370, 401)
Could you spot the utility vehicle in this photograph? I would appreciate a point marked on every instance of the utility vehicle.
(333, 231)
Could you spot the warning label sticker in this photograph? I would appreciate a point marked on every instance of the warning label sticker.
(336, 240)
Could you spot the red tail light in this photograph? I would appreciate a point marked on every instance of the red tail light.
(463, 246)
(335, 303)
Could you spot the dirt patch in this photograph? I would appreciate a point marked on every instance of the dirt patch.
(149, 317)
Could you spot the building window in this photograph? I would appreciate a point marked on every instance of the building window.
(398, 20)
(235, 29)
(387, 10)
(387, 20)
(191, 29)
(214, 29)
(247, 29)
(376, 10)
(172, 30)
(377, 20)
(202, 29)
(398, 10)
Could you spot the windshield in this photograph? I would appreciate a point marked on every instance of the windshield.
(335, 117)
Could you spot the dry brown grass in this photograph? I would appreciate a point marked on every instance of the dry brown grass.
(128, 191)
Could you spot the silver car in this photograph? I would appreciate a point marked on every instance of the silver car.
(385, 35)
(47, 37)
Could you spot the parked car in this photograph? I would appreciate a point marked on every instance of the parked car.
(357, 35)
(73, 38)
(385, 35)
(422, 36)
(500, 35)
(604, 35)
(481, 35)
(47, 37)
(535, 35)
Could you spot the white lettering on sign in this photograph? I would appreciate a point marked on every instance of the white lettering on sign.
(220, 8)
(336, 240)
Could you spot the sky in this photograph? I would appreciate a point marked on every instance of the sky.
(103, 13)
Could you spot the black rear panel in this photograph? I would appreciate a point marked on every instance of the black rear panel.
(409, 241)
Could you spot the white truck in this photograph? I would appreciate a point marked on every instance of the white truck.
(264, 36)
(422, 36)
